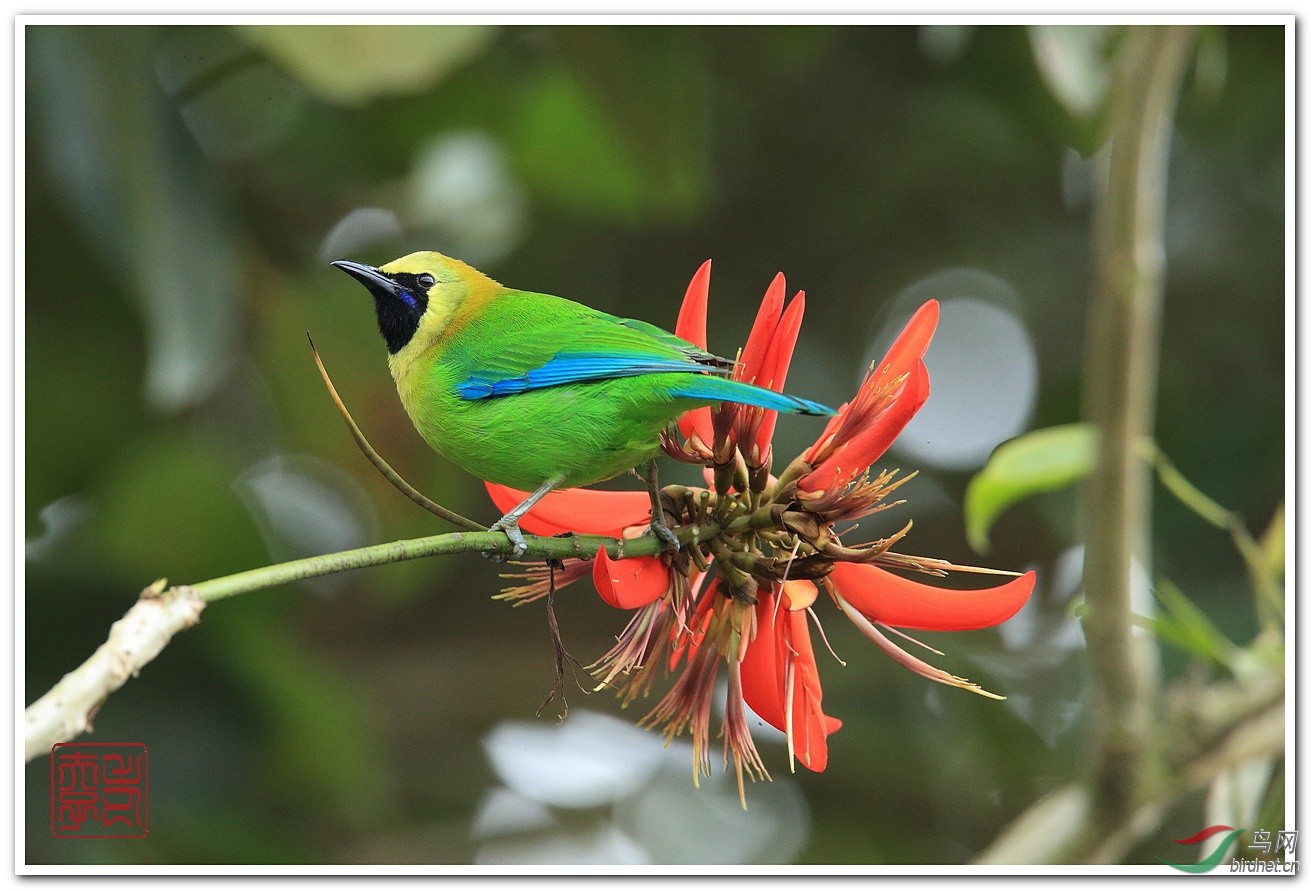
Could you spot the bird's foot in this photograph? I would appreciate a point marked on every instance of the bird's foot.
(668, 540)
(510, 527)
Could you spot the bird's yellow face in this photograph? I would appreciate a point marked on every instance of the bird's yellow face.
(417, 296)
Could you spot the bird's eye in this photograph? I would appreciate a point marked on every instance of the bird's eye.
(426, 281)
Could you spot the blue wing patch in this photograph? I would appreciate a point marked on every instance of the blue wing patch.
(573, 368)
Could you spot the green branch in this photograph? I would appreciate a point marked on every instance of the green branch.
(582, 547)
(65, 711)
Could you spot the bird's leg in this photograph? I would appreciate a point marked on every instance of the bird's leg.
(662, 531)
(509, 524)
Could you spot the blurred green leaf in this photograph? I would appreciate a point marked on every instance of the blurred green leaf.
(1188, 628)
(1040, 461)
(571, 153)
(156, 214)
(163, 482)
(622, 132)
(1272, 543)
(1075, 63)
(353, 64)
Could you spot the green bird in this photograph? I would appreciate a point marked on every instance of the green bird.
(538, 392)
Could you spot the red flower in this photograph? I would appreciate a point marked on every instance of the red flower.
(780, 680)
(625, 584)
(775, 547)
(889, 397)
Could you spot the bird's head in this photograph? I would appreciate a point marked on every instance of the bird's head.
(415, 294)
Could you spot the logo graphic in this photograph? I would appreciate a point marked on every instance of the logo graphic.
(1212, 861)
(98, 790)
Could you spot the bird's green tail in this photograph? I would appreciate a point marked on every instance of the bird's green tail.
(718, 389)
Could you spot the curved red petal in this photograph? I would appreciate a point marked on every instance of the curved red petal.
(810, 726)
(762, 331)
(913, 341)
(691, 327)
(698, 421)
(774, 371)
(630, 583)
(867, 446)
(589, 511)
(762, 687)
(799, 593)
(692, 314)
(783, 640)
(884, 597)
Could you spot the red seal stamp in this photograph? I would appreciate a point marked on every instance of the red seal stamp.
(99, 790)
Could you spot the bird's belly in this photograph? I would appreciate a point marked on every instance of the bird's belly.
(583, 433)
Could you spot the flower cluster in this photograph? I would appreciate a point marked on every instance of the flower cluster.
(740, 599)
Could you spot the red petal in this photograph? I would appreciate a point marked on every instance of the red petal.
(810, 726)
(692, 314)
(692, 328)
(774, 371)
(762, 332)
(783, 636)
(911, 344)
(900, 602)
(698, 421)
(799, 593)
(589, 511)
(913, 341)
(867, 446)
(688, 638)
(630, 583)
(762, 687)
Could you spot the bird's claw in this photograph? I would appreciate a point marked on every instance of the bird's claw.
(668, 540)
(511, 530)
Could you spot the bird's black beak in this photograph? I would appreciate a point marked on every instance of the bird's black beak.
(369, 276)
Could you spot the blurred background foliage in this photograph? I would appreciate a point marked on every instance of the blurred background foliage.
(185, 187)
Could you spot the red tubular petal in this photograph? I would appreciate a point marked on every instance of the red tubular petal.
(630, 583)
(782, 637)
(867, 446)
(810, 726)
(910, 345)
(762, 687)
(589, 511)
(799, 593)
(913, 341)
(762, 332)
(830, 429)
(884, 597)
(692, 328)
(698, 421)
(692, 315)
(774, 372)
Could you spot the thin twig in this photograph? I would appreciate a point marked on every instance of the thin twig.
(384, 468)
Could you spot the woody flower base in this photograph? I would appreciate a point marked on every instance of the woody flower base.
(741, 602)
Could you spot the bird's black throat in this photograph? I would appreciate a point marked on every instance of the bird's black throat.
(397, 318)
(399, 299)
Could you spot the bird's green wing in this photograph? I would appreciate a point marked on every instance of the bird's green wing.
(524, 341)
